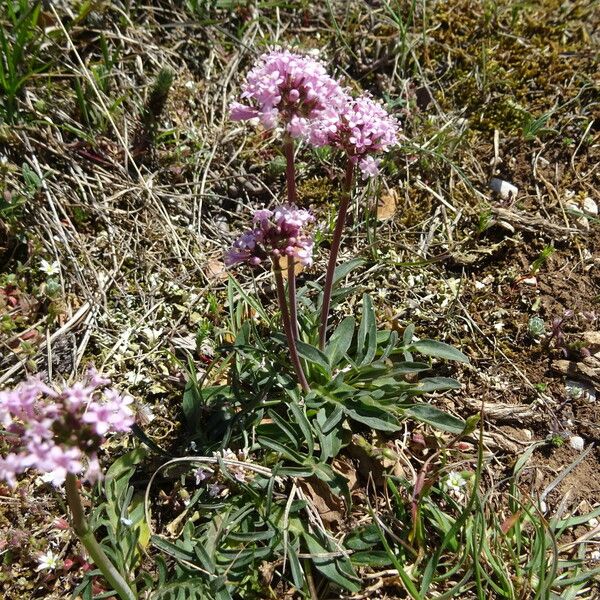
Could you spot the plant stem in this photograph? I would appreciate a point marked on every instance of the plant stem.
(293, 303)
(292, 197)
(335, 248)
(86, 536)
(287, 326)
(290, 169)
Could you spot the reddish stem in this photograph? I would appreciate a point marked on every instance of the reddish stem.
(292, 196)
(287, 327)
(290, 169)
(293, 304)
(335, 248)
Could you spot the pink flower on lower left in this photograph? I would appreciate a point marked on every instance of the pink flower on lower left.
(56, 431)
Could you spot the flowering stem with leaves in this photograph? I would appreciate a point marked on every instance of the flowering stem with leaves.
(56, 432)
(292, 93)
(86, 536)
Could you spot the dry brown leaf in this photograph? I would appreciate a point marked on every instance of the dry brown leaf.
(346, 468)
(283, 263)
(329, 507)
(386, 205)
(216, 270)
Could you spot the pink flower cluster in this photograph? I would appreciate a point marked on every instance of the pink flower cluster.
(54, 431)
(362, 128)
(297, 93)
(277, 233)
(288, 90)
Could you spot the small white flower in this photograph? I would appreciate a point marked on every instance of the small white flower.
(455, 482)
(48, 561)
(49, 268)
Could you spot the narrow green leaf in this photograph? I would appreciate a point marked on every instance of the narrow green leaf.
(313, 355)
(295, 567)
(332, 567)
(116, 483)
(366, 345)
(408, 368)
(340, 341)
(435, 417)
(438, 350)
(283, 426)
(304, 425)
(373, 417)
(253, 536)
(281, 449)
(344, 269)
(327, 423)
(171, 549)
(371, 558)
(436, 384)
(407, 336)
(337, 482)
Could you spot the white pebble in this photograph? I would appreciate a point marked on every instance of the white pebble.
(576, 443)
(577, 212)
(504, 188)
(590, 207)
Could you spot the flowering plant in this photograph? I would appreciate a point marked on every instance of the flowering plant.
(296, 93)
(55, 431)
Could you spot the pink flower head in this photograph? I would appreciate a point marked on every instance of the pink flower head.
(289, 90)
(281, 232)
(53, 431)
(361, 128)
(112, 415)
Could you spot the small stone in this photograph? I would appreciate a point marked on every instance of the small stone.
(590, 207)
(529, 281)
(577, 212)
(506, 190)
(576, 443)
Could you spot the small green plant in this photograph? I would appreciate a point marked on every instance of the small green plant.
(536, 327)
(540, 261)
(145, 135)
(19, 52)
(97, 81)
